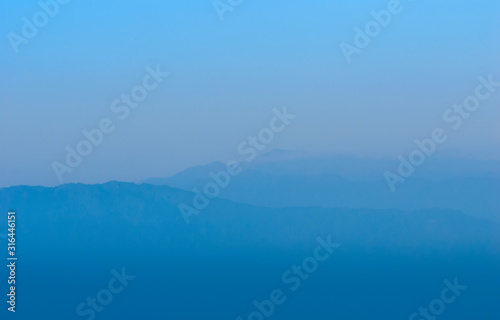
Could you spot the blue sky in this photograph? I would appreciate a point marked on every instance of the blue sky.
(227, 76)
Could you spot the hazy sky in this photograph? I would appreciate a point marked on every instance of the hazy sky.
(227, 76)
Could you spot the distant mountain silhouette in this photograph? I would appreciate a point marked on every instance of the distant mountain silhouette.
(71, 236)
(468, 186)
(119, 208)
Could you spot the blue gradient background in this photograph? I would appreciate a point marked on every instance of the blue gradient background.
(227, 76)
